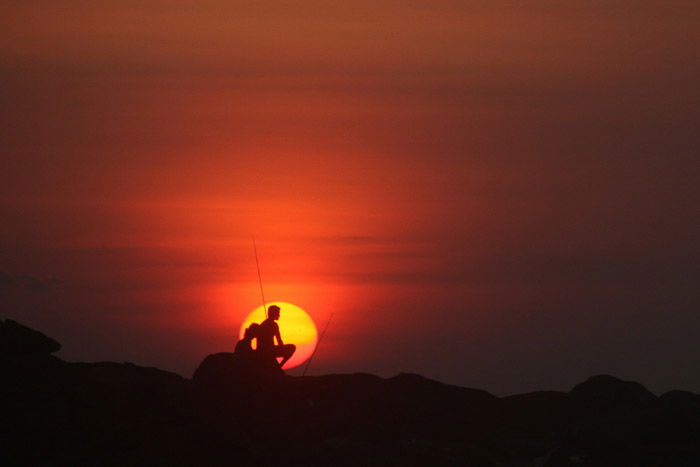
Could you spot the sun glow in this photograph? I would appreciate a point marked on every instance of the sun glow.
(296, 327)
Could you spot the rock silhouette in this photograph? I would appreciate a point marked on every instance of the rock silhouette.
(243, 412)
(17, 339)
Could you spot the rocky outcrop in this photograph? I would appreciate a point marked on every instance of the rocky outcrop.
(61, 413)
(238, 410)
(17, 339)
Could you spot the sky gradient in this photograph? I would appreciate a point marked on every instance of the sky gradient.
(493, 194)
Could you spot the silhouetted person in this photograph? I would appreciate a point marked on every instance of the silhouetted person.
(244, 346)
(268, 332)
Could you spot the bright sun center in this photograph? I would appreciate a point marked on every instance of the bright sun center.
(296, 327)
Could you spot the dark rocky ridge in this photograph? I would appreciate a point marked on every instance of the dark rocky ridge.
(237, 413)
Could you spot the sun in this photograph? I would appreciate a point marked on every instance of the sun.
(296, 327)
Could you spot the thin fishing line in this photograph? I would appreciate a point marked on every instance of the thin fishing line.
(318, 344)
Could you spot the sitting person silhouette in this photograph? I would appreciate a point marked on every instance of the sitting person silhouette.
(244, 346)
(268, 332)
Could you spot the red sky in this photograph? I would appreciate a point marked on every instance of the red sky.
(492, 194)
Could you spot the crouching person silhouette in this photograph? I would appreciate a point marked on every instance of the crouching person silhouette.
(268, 333)
(244, 347)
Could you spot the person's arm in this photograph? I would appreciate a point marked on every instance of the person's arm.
(278, 336)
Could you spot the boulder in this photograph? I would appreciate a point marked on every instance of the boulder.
(226, 379)
(603, 392)
(227, 368)
(616, 422)
(17, 339)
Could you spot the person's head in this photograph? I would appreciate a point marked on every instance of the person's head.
(251, 332)
(273, 312)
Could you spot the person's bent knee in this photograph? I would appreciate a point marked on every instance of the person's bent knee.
(291, 348)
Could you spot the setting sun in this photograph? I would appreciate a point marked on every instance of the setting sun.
(296, 327)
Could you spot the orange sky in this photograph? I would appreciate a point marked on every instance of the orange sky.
(496, 195)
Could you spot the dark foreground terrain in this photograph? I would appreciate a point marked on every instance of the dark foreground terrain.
(54, 412)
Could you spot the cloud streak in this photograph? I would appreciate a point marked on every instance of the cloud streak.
(27, 282)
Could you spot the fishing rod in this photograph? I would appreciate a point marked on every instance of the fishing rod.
(264, 303)
(308, 362)
(257, 263)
